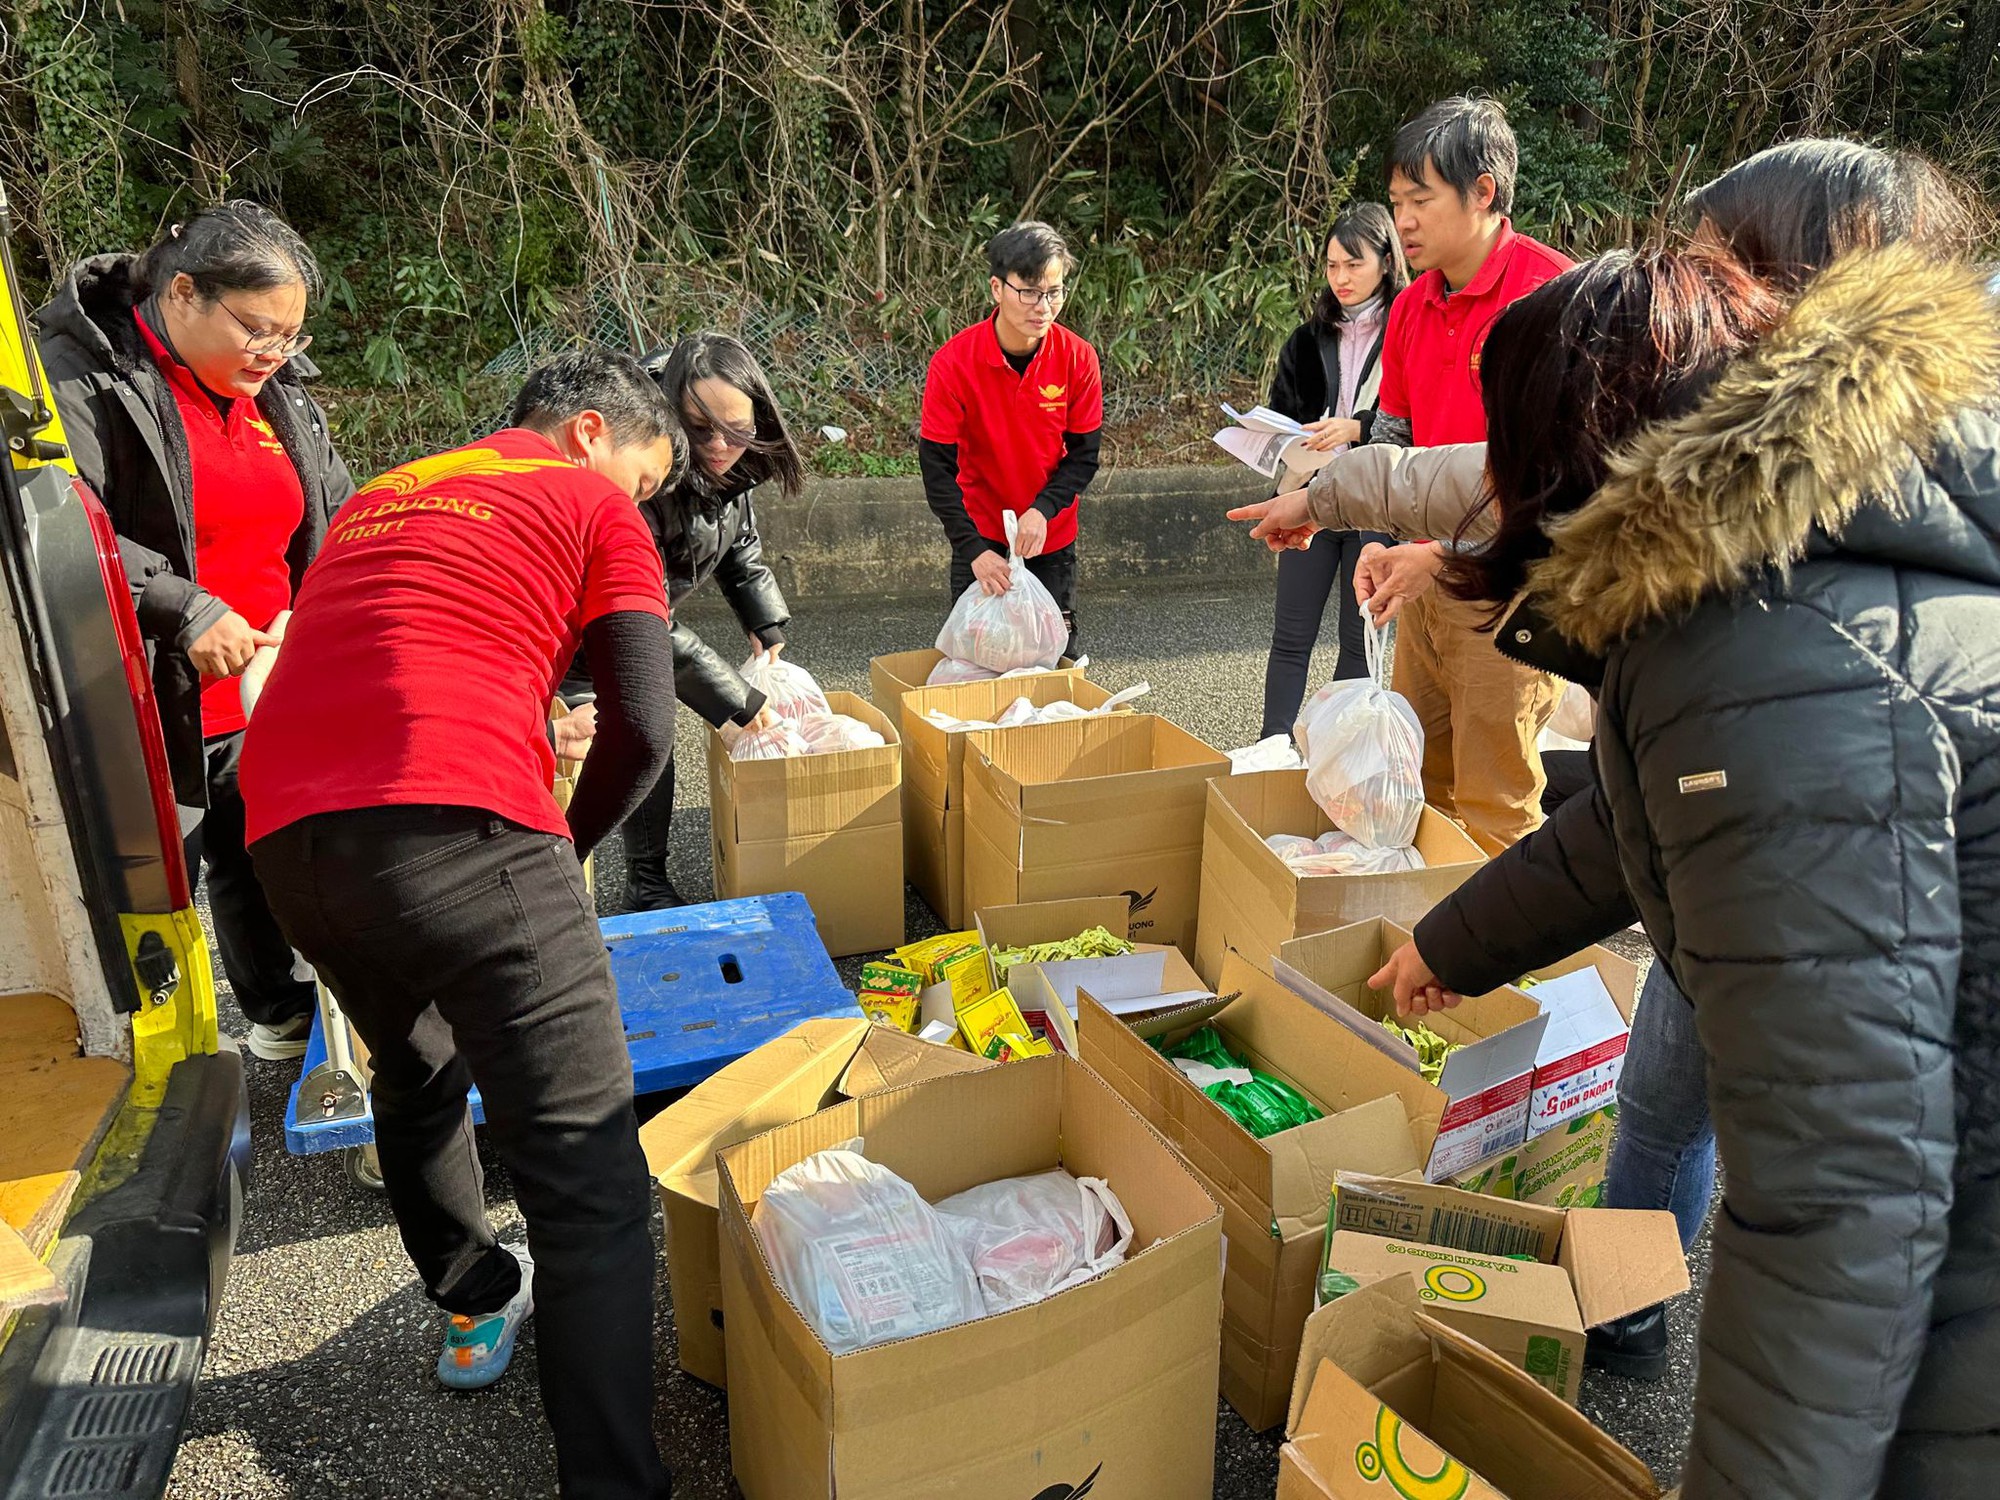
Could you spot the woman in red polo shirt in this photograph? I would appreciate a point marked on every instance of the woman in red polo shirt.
(180, 376)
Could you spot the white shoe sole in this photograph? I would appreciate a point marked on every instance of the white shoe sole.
(272, 1051)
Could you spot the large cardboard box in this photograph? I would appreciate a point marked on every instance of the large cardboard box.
(1487, 1085)
(890, 677)
(1092, 807)
(1274, 1192)
(1589, 999)
(1463, 1250)
(1253, 902)
(1390, 1402)
(828, 826)
(1107, 1388)
(815, 1064)
(1561, 1168)
(934, 775)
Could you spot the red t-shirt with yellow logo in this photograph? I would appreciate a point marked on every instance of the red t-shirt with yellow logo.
(247, 504)
(1009, 428)
(431, 632)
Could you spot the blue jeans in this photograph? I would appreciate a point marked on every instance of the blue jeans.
(1664, 1152)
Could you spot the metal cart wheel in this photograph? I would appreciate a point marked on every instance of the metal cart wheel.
(364, 1167)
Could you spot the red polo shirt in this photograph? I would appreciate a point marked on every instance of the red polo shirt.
(1009, 428)
(247, 504)
(431, 631)
(1430, 353)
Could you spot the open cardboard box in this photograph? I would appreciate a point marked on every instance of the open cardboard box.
(1274, 1192)
(1091, 807)
(1253, 902)
(815, 1064)
(901, 672)
(1487, 1084)
(1106, 1388)
(1561, 1168)
(829, 826)
(934, 775)
(1390, 1402)
(1589, 1266)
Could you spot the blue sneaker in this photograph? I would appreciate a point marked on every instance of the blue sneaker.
(478, 1350)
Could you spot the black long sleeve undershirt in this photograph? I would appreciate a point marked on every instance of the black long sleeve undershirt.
(632, 661)
(938, 463)
(1073, 473)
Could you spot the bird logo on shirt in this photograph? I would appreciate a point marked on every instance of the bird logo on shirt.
(422, 473)
(267, 438)
(1051, 392)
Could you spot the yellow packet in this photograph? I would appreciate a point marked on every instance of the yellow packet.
(897, 1012)
(983, 1022)
(1007, 1047)
(929, 955)
(969, 975)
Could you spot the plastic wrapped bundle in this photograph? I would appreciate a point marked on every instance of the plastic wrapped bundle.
(862, 1257)
(1260, 1103)
(952, 671)
(1337, 853)
(1364, 754)
(1274, 753)
(1002, 632)
(780, 742)
(1031, 1237)
(824, 733)
(788, 688)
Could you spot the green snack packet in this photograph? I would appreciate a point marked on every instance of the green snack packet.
(1264, 1106)
(1431, 1048)
(1098, 942)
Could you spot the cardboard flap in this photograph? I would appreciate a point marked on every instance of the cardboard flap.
(889, 1059)
(1373, 1137)
(1522, 1438)
(1370, 1336)
(1429, 1214)
(1156, 978)
(1622, 1260)
(1052, 921)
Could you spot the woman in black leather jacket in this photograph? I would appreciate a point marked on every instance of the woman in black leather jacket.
(706, 528)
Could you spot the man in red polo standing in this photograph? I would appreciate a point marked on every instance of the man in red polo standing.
(1013, 415)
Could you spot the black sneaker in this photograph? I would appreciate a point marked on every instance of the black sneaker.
(1635, 1347)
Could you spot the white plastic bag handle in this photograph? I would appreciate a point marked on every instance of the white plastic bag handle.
(1118, 700)
(1376, 640)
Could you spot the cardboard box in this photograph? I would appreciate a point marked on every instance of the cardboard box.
(1092, 807)
(1106, 1388)
(1390, 1402)
(1589, 999)
(1590, 1265)
(1252, 901)
(890, 677)
(829, 826)
(815, 1064)
(934, 775)
(1051, 921)
(1488, 1084)
(1274, 1192)
(1561, 1168)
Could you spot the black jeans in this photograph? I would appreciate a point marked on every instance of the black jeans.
(272, 984)
(1056, 570)
(1305, 581)
(464, 950)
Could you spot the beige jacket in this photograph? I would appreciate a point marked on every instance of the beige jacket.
(1414, 494)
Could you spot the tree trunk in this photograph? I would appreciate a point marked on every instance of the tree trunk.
(1976, 46)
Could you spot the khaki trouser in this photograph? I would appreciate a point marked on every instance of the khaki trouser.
(1482, 715)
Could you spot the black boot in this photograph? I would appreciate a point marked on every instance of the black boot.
(1635, 1347)
(648, 887)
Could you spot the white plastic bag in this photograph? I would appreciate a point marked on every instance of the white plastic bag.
(788, 688)
(1291, 846)
(824, 733)
(1030, 1237)
(1020, 711)
(1001, 632)
(860, 1254)
(1023, 710)
(952, 671)
(1273, 753)
(1337, 853)
(780, 742)
(1364, 754)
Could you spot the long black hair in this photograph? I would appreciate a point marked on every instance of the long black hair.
(710, 355)
(1580, 366)
(1791, 211)
(235, 246)
(1360, 229)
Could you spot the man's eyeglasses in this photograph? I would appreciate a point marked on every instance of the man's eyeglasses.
(278, 345)
(1036, 297)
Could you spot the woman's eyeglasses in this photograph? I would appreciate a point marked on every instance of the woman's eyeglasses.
(700, 434)
(263, 342)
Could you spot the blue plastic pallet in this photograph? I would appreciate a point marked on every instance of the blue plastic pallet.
(699, 987)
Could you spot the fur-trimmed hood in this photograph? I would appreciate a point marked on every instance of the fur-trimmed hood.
(1813, 441)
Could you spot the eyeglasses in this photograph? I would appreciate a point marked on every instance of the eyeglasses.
(1035, 297)
(282, 345)
(701, 434)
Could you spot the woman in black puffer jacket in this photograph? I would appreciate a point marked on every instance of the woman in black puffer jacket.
(1788, 602)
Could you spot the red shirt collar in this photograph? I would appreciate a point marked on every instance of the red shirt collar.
(178, 374)
(1485, 278)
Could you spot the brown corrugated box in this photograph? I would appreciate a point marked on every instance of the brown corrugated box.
(1092, 807)
(1252, 902)
(890, 677)
(829, 826)
(1106, 1389)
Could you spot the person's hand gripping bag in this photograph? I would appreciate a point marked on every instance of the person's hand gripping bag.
(1005, 632)
(1364, 752)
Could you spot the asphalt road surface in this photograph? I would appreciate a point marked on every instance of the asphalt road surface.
(320, 1381)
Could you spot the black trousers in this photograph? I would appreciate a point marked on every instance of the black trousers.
(272, 984)
(464, 950)
(1306, 580)
(1056, 570)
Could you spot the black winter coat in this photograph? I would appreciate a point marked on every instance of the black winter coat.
(125, 433)
(1792, 599)
(1308, 375)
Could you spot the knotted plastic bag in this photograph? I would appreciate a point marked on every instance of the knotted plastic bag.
(1364, 753)
(1005, 632)
(788, 688)
(862, 1257)
(1031, 1237)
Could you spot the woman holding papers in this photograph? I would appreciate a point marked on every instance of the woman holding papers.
(1326, 380)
